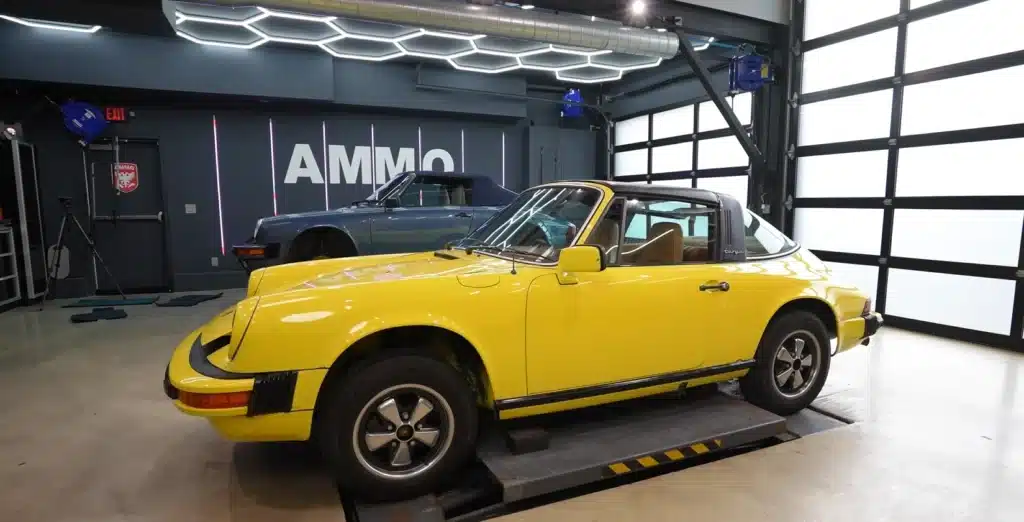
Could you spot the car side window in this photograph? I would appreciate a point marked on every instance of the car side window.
(437, 192)
(762, 239)
(656, 232)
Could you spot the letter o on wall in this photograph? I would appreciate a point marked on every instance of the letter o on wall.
(448, 163)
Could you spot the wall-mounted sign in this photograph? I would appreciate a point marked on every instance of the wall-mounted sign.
(116, 114)
(126, 177)
(358, 167)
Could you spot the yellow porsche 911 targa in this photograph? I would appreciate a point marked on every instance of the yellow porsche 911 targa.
(576, 294)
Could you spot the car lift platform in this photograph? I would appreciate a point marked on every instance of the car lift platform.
(587, 447)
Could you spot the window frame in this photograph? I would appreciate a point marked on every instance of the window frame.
(782, 253)
(714, 212)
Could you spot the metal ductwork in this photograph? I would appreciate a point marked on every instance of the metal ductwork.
(535, 25)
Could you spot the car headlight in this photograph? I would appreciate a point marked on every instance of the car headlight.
(257, 230)
(244, 312)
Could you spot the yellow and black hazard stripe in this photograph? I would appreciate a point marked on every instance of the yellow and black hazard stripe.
(661, 457)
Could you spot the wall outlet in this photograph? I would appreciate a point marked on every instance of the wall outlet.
(214, 261)
(190, 208)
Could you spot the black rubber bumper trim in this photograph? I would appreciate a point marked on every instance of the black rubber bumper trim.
(872, 322)
(198, 361)
(169, 389)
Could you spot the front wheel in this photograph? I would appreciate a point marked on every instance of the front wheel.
(792, 363)
(398, 427)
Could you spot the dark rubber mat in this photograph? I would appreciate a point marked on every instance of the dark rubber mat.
(190, 300)
(91, 302)
(99, 314)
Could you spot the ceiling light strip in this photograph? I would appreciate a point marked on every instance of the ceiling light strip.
(56, 26)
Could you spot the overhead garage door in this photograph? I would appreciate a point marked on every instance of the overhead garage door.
(909, 146)
(689, 146)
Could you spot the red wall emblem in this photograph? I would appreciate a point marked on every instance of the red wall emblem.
(126, 177)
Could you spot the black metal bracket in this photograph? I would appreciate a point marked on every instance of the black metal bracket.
(693, 60)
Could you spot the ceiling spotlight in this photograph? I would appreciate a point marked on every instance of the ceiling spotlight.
(638, 7)
(527, 6)
(661, 29)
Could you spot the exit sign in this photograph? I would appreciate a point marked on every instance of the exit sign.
(116, 114)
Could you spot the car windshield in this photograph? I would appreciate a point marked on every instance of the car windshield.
(537, 225)
(383, 190)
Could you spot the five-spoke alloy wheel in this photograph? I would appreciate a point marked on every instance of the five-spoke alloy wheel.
(396, 426)
(791, 364)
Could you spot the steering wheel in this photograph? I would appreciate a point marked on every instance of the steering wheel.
(536, 237)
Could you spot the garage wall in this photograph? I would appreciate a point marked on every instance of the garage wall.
(908, 148)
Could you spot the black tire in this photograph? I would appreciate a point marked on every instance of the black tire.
(320, 244)
(760, 386)
(353, 399)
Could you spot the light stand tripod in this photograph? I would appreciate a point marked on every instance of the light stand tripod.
(54, 265)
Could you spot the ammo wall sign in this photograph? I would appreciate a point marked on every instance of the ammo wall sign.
(126, 177)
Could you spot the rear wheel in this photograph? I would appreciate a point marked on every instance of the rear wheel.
(398, 427)
(321, 244)
(792, 364)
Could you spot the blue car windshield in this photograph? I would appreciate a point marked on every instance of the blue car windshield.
(537, 225)
(383, 190)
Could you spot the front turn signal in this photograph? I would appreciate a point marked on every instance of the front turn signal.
(214, 401)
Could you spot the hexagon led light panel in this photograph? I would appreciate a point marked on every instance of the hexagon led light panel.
(251, 27)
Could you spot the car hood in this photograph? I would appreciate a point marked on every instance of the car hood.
(470, 270)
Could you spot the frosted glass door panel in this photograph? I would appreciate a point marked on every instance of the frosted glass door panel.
(676, 122)
(851, 118)
(674, 183)
(976, 303)
(630, 163)
(914, 4)
(830, 66)
(863, 277)
(822, 17)
(850, 175)
(711, 118)
(735, 186)
(987, 237)
(852, 230)
(672, 158)
(720, 153)
(976, 105)
(633, 130)
(998, 20)
(981, 168)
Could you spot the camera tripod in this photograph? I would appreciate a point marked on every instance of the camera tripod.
(54, 265)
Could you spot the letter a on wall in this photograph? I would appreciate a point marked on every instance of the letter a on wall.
(126, 177)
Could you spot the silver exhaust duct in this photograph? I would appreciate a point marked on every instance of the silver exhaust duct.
(500, 21)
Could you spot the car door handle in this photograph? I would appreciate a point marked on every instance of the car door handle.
(463, 214)
(715, 287)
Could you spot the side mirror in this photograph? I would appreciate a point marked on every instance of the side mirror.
(579, 259)
(391, 203)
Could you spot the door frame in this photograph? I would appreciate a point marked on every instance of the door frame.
(113, 144)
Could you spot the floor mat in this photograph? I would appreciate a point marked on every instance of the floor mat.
(91, 302)
(190, 299)
(98, 314)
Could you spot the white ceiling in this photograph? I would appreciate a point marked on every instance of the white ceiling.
(771, 10)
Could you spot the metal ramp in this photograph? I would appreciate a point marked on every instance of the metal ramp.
(595, 445)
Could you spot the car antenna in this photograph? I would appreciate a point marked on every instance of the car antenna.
(513, 258)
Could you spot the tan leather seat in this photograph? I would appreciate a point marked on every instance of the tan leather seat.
(695, 249)
(459, 195)
(664, 246)
(606, 236)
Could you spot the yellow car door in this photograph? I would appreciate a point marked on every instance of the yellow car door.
(644, 315)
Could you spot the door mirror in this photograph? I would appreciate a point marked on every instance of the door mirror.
(391, 203)
(578, 260)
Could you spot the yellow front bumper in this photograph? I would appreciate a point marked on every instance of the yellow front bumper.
(281, 403)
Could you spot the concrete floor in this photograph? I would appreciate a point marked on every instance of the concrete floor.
(86, 434)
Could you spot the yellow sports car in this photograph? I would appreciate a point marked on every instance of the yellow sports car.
(576, 294)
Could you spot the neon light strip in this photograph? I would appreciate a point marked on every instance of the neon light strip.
(373, 158)
(327, 167)
(216, 172)
(273, 168)
(419, 145)
(502, 158)
(57, 26)
(462, 147)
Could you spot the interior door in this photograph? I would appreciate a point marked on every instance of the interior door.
(619, 324)
(128, 216)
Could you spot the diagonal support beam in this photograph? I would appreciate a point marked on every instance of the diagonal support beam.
(757, 160)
